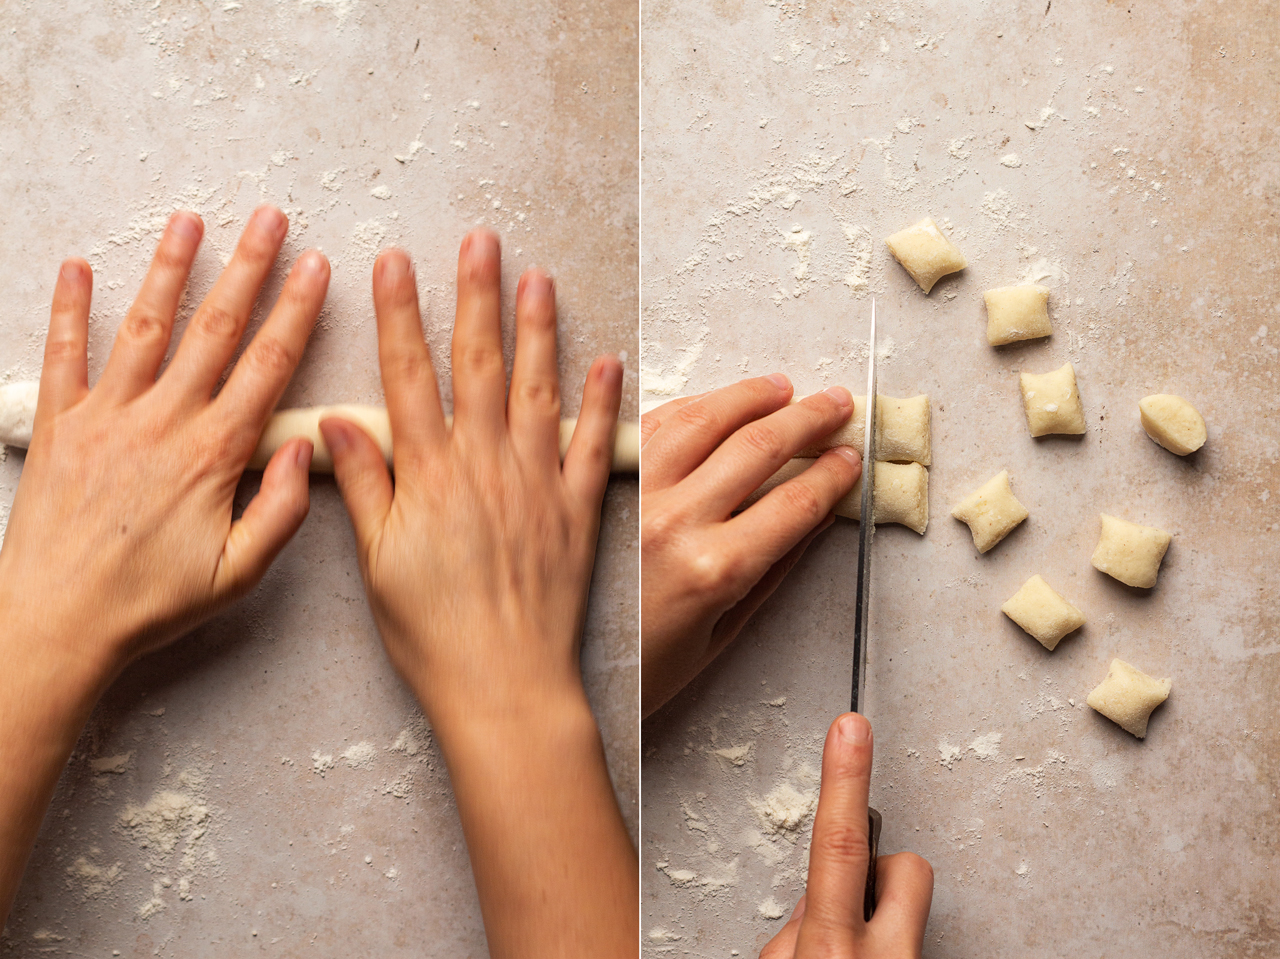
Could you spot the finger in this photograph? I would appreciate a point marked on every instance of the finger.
(268, 522)
(408, 375)
(263, 370)
(479, 377)
(688, 436)
(649, 422)
(758, 450)
(215, 329)
(731, 623)
(589, 458)
(786, 514)
(783, 945)
(362, 477)
(64, 378)
(838, 854)
(533, 404)
(904, 892)
(143, 337)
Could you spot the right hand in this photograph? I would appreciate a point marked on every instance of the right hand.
(827, 922)
(706, 571)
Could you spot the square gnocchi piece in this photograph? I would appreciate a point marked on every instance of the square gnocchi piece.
(1017, 313)
(1042, 613)
(903, 437)
(1052, 402)
(925, 253)
(1129, 552)
(991, 511)
(1128, 696)
(1173, 423)
(902, 496)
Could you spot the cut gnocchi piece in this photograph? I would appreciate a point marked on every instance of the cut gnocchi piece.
(1173, 423)
(925, 253)
(1042, 613)
(1128, 696)
(991, 511)
(904, 435)
(902, 493)
(1017, 313)
(1129, 552)
(1052, 402)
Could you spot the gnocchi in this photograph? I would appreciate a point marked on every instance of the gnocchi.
(1017, 313)
(1129, 552)
(1128, 696)
(1173, 423)
(902, 493)
(1042, 613)
(925, 253)
(1052, 402)
(991, 511)
(903, 430)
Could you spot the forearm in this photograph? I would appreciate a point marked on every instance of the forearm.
(556, 872)
(45, 699)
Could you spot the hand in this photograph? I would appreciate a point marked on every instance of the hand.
(122, 534)
(477, 563)
(828, 919)
(705, 571)
(127, 488)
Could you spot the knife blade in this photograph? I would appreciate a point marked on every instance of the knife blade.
(862, 604)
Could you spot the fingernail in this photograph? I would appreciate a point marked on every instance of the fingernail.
(610, 370)
(481, 244)
(72, 270)
(313, 261)
(270, 220)
(187, 225)
(840, 395)
(537, 283)
(303, 455)
(849, 453)
(779, 380)
(854, 729)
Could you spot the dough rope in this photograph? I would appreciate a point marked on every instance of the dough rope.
(18, 410)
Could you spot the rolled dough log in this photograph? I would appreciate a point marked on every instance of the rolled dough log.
(1128, 696)
(18, 408)
(903, 430)
(902, 493)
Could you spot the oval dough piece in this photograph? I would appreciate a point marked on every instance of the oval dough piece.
(904, 433)
(1129, 552)
(991, 511)
(1173, 423)
(1042, 613)
(1052, 402)
(1017, 313)
(1128, 696)
(925, 253)
(902, 493)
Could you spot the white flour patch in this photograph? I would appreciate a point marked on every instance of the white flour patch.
(90, 879)
(1046, 273)
(114, 765)
(321, 763)
(735, 755)
(361, 755)
(1011, 160)
(949, 755)
(771, 909)
(986, 746)
(785, 810)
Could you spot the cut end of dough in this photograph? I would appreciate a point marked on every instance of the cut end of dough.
(1052, 402)
(902, 496)
(1129, 552)
(1042, 613)
(903, 435)
(1017, 313)
(925, 253)
(1128, 696)
(991, 511)
(1173, 423)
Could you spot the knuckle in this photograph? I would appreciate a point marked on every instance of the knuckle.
(845, 842)
(920, 866)
(800, 498)
(217, 323)
(764, 440)
(170, 258)
(60, 348)
(713, 572)
(479, 361)
(542, 395)
(142, 325)
(696, 418)
(270, 357)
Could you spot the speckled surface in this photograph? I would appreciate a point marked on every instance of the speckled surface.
(1125, 156)
(114, 115)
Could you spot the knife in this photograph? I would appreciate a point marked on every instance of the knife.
(862, 607)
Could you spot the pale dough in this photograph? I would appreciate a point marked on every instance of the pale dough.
(1173, 423)
(1042, 612)
(1052, 402)
(991, 511)
(903, 430)
(902, 493)
(1127, 696)
(925, 253)
(18, 407)
(1017, 313)
(1129, 552)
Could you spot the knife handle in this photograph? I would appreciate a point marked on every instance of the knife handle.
(873, 843)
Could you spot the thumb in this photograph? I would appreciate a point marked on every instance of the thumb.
(268, 522)
(362, 476)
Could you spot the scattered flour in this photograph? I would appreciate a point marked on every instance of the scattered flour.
(361, 755)
(1011, 160)
(986, 746)
(735, 755)
(321, 763)
(771, 909)
(784, 810)
(90, 879)
(111, 764)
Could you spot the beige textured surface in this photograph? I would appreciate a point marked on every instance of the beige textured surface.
(782, 142)
(115, 114)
